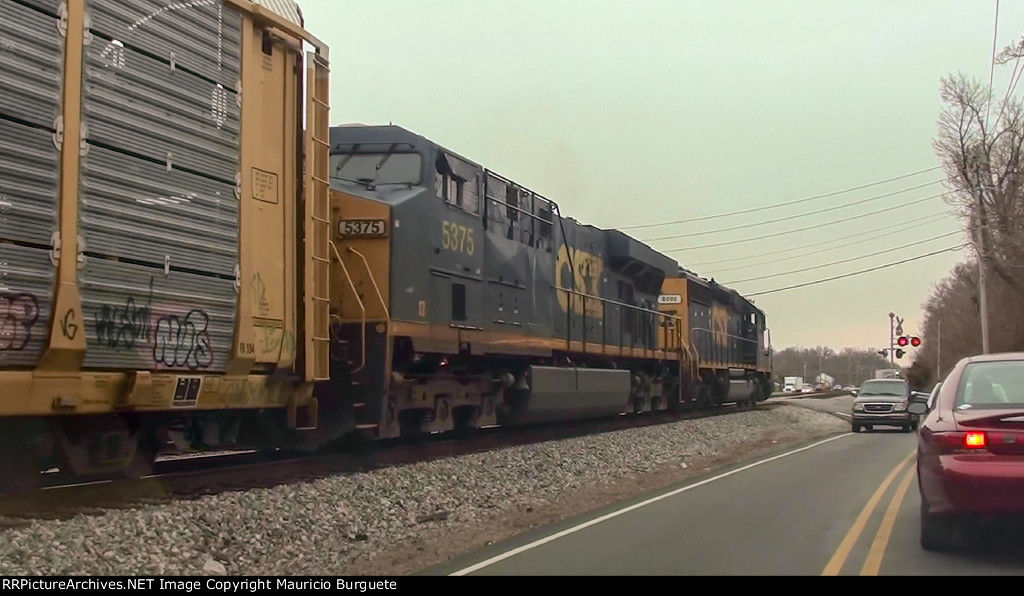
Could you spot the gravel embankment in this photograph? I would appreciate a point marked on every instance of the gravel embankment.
(401, 519)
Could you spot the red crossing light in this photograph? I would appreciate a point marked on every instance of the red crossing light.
(903, 341)
(915, 341)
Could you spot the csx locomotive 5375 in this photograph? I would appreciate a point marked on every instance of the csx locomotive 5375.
(191, 258)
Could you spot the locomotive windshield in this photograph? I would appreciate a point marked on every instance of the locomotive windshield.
(375, 169)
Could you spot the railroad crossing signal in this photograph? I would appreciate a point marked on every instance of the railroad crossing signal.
(906, 340)
(899, 353)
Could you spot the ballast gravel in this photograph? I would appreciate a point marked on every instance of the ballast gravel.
(389, 521)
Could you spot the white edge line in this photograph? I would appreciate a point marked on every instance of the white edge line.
(553, 537)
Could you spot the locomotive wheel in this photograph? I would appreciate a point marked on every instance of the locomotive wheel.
(703, 397)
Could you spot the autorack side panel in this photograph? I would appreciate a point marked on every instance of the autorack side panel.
(276, 263)
(161, 123)
(147, 320)
(32, 51)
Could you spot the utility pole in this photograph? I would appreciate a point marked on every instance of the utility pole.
(982, 306)
(981, 298)
(892, 340)
(938, 357)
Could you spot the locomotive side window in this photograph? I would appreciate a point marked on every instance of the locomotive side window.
(377, 168)
(544, 228)
(457, 182)
(512, 202)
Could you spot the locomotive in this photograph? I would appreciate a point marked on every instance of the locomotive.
(482, 304)
(192, 258)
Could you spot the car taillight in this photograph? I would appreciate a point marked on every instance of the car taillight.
(975, 440)
(961, 442)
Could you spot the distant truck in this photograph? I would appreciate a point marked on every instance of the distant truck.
(824, 382)
(887, 373)
(793, 384)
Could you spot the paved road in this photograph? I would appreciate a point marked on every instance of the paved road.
(848, 506)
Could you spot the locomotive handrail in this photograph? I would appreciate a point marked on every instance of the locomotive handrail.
(513, 207)
(610, 301)
(358, 299)
(753, 341)
(373, 280)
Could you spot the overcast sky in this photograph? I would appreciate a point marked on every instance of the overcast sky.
(645, 112)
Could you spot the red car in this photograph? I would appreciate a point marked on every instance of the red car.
(970, 451)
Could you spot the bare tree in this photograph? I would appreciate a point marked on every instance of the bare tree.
(983, 161)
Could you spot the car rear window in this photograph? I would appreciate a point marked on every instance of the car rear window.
(992, 384)
(888, 388)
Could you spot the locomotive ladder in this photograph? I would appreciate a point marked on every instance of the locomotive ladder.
(318, 169)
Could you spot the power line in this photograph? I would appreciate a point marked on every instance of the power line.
(1014, 79)
(831, 223)
(833, 242)
(886, 266)
(850, 260)
(992, 67)
(777, 205)
(787, 218)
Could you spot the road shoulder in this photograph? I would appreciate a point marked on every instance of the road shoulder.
(443, 555)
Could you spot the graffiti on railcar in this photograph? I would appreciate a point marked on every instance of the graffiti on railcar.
(183, 341)
(122, 325)
(18, 315)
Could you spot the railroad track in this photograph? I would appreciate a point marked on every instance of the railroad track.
(195, 477)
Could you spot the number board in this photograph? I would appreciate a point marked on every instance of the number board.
(362, 227)
(670, 299)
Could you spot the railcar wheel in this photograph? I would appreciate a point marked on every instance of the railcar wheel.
(19, 473)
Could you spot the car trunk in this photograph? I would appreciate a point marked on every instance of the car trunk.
(1004, 428)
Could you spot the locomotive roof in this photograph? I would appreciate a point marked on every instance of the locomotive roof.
(348, 135)
(718, 291)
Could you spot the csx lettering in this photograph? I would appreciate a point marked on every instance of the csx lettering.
(457, 237)
(582, 272)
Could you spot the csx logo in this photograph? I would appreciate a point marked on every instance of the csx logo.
(720, 325)
(587, 271)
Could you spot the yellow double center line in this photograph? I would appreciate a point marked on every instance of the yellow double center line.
(874, 559)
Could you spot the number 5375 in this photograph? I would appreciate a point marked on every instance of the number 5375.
(457, 237)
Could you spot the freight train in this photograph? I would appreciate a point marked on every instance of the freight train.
(192, 258)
